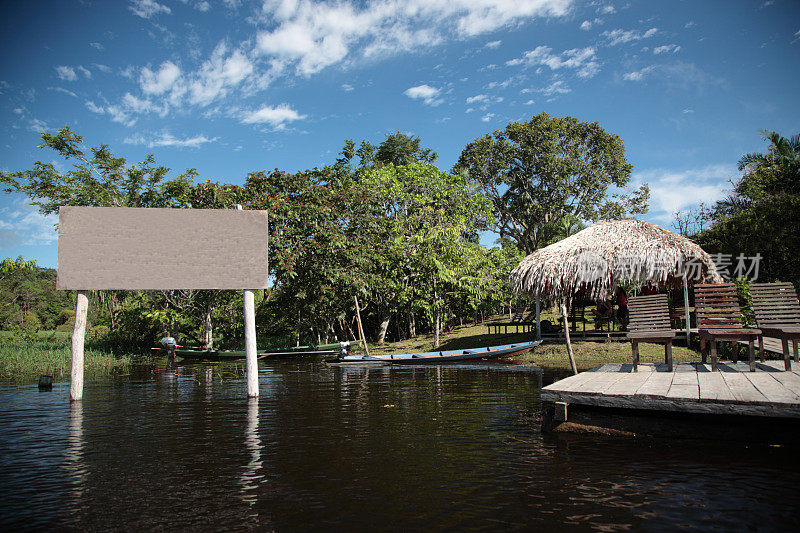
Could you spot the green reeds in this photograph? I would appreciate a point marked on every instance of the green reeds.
(27, 361)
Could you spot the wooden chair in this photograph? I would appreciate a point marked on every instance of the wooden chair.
(649, 322)
(719, 319)
(778, 315)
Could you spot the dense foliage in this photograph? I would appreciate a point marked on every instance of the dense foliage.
(550, 171)
(762, 213)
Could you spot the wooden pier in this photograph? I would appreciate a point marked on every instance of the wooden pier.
(770, 391)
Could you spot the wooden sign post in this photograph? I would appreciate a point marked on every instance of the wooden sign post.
(118, 248)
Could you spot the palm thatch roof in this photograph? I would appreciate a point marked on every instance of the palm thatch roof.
(594, 261)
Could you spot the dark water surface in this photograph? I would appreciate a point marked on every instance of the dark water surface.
(360, 449)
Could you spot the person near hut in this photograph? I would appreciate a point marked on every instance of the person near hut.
(621, 299)
(603, 311)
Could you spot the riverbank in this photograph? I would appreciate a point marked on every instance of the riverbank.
(551, 355)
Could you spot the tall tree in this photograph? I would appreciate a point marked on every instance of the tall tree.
(547, 170)
(761, 214)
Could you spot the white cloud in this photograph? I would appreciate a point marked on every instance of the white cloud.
(347, 87)
(606, 10)
(529, 102)
(148, 8)
(97, 46)
(37, 126)
(619, 36)
(483, 101)
(586, 25)
(91, 106)
(277, 116)
(202, 6)
(144, 105)
(583, 60)
(218, 74)
(62, 90)
(102, 68)
(66, 73)
(424, 92)
(161, 81)
(21, 223)
(673, 190)
(666, 49)
(487, 117)
(315, 35)
(638, 75)
(166, 139)
(557, 87)
(493, 44)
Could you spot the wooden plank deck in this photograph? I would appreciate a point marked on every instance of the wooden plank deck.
(691, 387)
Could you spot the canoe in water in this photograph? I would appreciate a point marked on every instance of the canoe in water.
(449, 356)
(222, 355)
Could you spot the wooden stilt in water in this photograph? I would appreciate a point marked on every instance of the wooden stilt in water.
(78, 335)
(250, 343)
(566, 333)
(250, 349)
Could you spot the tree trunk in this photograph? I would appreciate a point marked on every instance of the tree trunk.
(436, 328)
(208, 339)
(384, 325)
(412, 326)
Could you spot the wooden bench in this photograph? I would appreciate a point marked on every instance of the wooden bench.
(649, 322)
(516, 321)
(719, 319)
(778, 315)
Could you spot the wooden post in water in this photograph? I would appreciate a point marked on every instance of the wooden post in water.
(566, 333)
(360, 327)
(250, 340)
(78, 335)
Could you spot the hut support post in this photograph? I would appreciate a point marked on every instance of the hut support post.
(250, 343)
(686, 310)
(78, 334)
(566, 333)
(538, 317)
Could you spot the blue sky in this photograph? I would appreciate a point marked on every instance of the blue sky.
(230, 87)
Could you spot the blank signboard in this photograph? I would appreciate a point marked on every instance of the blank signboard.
(139, 248)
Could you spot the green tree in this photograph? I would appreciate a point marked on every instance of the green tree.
(99, 179)
(761, 214)
(541, 172)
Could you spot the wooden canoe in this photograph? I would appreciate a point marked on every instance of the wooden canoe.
(192, 353)
(448, 356)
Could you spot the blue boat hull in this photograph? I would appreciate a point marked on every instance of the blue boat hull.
(450, 356)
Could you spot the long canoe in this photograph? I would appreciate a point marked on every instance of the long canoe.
(448, 356)
(219, 355)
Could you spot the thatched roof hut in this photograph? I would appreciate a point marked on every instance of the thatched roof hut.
(594, 261)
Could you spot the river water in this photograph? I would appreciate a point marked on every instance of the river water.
(384, 449)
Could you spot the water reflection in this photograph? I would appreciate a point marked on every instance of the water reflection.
(251, 476)
(376, 449)
(74, 463)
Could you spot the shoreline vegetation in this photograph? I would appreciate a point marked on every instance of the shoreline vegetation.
(50, 354)
(26, 362)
